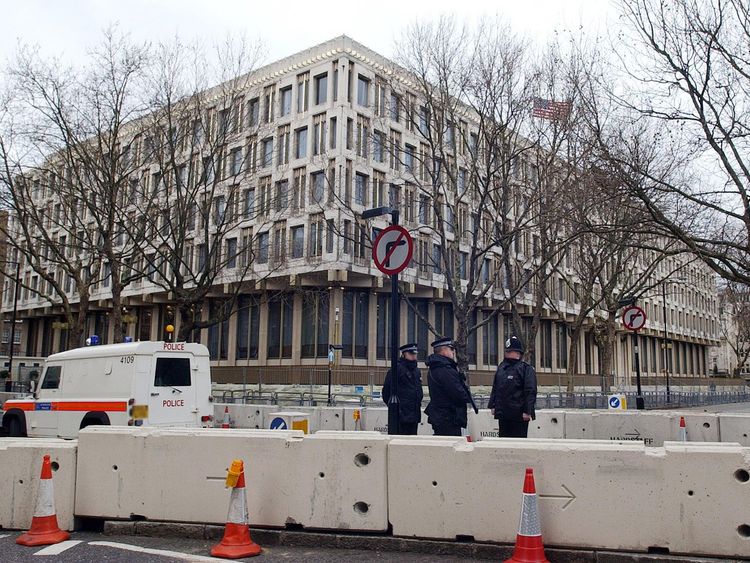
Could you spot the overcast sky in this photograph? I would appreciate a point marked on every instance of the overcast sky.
(69, 27)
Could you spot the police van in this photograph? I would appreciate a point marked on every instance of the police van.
(133, 384)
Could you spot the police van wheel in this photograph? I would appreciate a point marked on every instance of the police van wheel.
(94, 421)
(15, 428)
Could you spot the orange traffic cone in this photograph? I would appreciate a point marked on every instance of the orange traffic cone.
(529, 547)
(44, 529)
(225, 422)
(683, 430)
(236, 542)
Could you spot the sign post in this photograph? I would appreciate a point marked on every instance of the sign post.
(392, 252)
(634, 319)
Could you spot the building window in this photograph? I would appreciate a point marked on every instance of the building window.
(303, 85)
(248, 327)
(319, 134)
(282, 195)
(562, 347)
(300, 143)
(360, 189)
(253, 112)
(298, 241)
(444, 319)
(218, 333)
(235, 162)
(321, 88)
(363, 136)
(269, 93)
(220, 208)
(231, 253)
(315, 311)
(472, 343)
(395, 107)
(330, 233)
(356, 320)
(318, 180)
(546, 345)
(249, 206)
(384, 327)
(409, 158)
(286, 101)
(417, 328)
(317, 229)
(263, 248)
(280, 326)
(378, 149)
(363, 91)
(267, 152)
(490, 340)
(332, 136)
(284, 140)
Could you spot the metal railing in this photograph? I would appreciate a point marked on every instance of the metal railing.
(588, 400)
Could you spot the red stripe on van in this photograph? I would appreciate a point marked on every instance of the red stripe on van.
(114, 406)
(71, 406)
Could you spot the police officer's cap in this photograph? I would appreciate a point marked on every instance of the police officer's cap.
(411, 347)
(514, 344)
(444, 341)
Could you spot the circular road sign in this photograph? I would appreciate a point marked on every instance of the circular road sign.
(392, 250)
(614, 402)
(634, 318)
(278, 423)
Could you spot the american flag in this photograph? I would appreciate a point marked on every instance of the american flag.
(550, 109)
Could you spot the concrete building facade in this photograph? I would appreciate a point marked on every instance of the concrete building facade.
(317, 155)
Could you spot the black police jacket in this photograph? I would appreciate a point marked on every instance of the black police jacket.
(448, 393)
(410, 392)
(514, 391)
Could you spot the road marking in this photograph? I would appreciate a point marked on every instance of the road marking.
(164, 552)
(4, 536)
(58, 548)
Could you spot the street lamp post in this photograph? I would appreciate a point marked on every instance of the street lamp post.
(393, 403)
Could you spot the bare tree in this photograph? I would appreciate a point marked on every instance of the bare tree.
(688, 62)
(70, 165)
(734, 302)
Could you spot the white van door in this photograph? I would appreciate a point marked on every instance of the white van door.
(44, 420)
(173, 398)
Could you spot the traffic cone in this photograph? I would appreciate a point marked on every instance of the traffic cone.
(44, 529)
(683, 430)
(225, 422)
(236, 542)
(529, 547)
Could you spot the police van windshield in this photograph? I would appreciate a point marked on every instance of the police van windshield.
(172, 372)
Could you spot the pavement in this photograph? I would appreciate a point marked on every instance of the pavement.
(88, 547)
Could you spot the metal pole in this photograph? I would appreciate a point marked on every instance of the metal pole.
(639, 402)
(393, 403)
(13, 321)
(330, 374)
(666, 336)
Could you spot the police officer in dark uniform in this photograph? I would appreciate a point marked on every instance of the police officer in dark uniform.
(449, 394)
(513, 397)
(410, 392)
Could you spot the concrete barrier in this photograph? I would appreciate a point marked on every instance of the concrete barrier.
(701, 427)
(20, 467)
(735, 428)
(318, 481)
(687, 498)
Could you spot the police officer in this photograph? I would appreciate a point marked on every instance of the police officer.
(449, 394)
(410, 392)
(513, 396)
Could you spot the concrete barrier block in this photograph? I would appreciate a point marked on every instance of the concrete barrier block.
(375, 418)
(20, 468)
(707, 507)
(591, 493)
(348, 418)
(735, 428)
(701, 427)
(549, 423)
(243, 416)
(328, 418)
(482, 425)
(291, 478)
(652, 428)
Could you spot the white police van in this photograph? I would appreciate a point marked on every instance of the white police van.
(134, 384)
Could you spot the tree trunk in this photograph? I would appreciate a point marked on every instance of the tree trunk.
(116, 317)
(461, 341)
(187, 321)
(575, 338)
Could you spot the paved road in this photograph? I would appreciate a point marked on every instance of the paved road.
(728, 408)
(127, 549)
